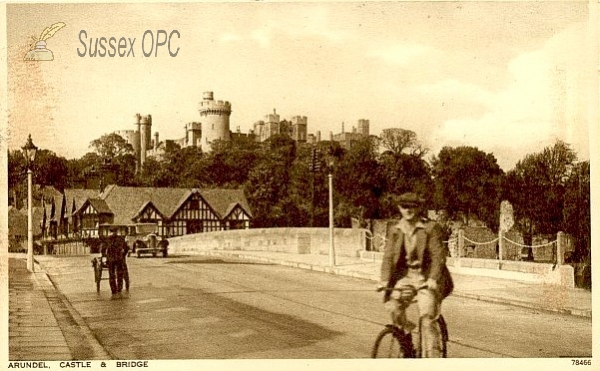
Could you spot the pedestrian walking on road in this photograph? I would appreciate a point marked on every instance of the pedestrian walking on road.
(415, 255)
(124, 265)
(115, 261)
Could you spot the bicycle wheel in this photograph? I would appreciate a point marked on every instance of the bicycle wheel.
(443, 338)
(392, 343)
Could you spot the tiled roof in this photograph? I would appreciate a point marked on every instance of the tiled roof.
(47, 204)
(100, 205)
(79, 196)
(126, 202)
(224, 200)
(144, 207)
(48, 192)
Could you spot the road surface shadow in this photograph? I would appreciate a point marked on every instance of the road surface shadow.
(190, 323)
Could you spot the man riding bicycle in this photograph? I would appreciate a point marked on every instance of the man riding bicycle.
(415, 255)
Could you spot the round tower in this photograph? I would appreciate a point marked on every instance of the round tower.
(214, 116)
(145, 137)
(136, 141)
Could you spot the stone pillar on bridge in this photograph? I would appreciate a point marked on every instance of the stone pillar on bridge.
(561, 242)
(460, 242)
(500, 244)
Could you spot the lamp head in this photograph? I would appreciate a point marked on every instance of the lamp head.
(30, 150)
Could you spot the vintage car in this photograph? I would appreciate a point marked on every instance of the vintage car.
(149, 244)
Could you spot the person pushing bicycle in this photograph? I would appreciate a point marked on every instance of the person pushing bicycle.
(415, 255)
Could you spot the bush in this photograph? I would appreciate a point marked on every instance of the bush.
(15, 246)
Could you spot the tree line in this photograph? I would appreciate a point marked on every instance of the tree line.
(286, 183)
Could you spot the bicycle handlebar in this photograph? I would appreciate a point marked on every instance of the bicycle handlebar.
(402, 288)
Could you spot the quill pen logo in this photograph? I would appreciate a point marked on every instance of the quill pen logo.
(38, 50)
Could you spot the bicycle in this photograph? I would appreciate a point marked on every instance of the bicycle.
(396, 339)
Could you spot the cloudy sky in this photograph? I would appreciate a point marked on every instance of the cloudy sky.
(507, 77)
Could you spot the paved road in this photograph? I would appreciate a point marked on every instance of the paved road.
(211, 308)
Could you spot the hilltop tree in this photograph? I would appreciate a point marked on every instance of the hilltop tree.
(50, 169)
(536, 188)
(268, 183)
(229, 162)
(111, 146)
(358, 182)
(404, 173)
(576, 212)
(398, 141)
(468, 181)
(80, 168)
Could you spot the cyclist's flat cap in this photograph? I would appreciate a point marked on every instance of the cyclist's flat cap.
(411, 199)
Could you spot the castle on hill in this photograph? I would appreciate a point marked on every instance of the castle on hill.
(214, 125)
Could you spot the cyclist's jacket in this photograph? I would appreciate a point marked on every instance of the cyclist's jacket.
(429, 251)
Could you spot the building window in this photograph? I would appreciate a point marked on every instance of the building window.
(194, 226)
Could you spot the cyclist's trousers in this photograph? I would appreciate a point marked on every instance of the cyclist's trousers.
(429, 304)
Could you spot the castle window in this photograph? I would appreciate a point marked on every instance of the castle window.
(213, 126)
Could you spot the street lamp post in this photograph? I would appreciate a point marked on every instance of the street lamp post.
(30, 150)
(331, 245)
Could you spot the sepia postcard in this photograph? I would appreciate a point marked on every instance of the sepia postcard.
(303, 185)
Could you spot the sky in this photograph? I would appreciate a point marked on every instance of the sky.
(509, 78)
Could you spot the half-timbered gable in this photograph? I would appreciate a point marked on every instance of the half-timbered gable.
(236, 218)
(148, 214)
(91, 215)
(74, 199)
(194, 215)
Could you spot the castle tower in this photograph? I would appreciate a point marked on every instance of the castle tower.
(259, 130)
(299, 128)
(271, 126)
(136, 142)
(145, 137)
(193, 134)
(214, 116)
(363, 127)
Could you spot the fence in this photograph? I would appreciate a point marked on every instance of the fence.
(65, 247)
(462, 246)
(503, 248)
